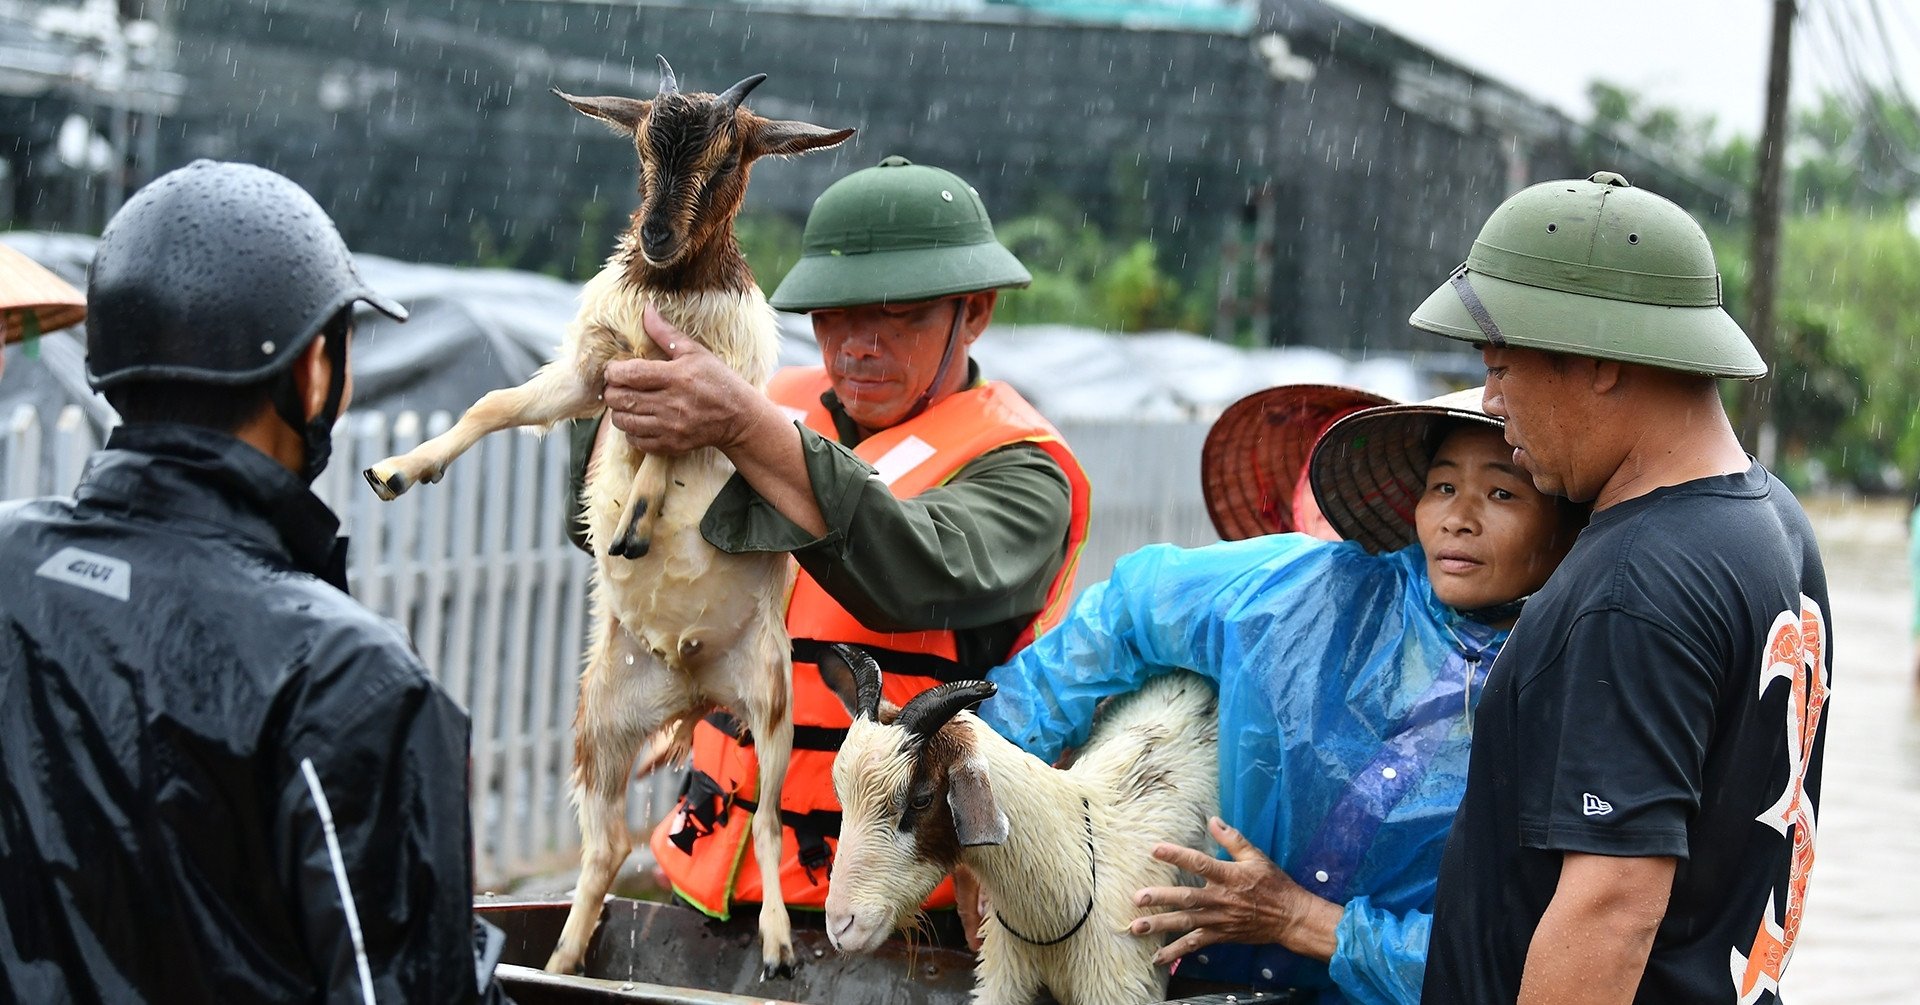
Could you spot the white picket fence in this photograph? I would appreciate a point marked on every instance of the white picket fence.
(479, 571)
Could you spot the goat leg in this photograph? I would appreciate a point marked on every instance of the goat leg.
(626, 696)
(641, 512)
(557, 391)
(770, 716)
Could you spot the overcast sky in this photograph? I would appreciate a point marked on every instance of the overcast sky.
(1700, 55)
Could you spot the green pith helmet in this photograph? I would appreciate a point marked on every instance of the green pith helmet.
(896, 233)
(1594, 268)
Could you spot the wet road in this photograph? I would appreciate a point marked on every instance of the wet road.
(1861, 938)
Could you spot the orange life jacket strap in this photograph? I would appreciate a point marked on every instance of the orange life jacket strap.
(897, 661)
(931, 667)
(804, 737)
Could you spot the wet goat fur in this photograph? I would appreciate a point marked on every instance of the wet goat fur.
(1148, 774)
(679, 627)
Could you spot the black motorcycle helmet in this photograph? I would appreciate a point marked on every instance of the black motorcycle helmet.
(221, 273)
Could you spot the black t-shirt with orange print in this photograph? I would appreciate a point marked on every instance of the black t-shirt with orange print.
(1664, 695)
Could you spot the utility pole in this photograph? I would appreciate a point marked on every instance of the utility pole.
(1756, 417)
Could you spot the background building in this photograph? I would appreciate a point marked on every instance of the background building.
(1305, 176)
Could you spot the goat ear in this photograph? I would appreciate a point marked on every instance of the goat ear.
(839, 679)
(977, 819)
(782, 138)
(623, 114)
(854, 677)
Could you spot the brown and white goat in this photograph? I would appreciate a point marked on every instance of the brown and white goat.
(1059, 853)
(680, 628)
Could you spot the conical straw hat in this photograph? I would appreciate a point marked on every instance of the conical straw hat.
(1255, 454)
(26, 286)
(1370, 468)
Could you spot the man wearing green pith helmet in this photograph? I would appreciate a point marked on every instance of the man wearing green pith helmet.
(1639, 818)
(935, 517)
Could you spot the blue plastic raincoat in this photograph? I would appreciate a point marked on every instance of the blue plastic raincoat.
(1344, 689)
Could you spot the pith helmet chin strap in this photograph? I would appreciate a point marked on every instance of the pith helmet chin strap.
(946, 360)
(316, 434)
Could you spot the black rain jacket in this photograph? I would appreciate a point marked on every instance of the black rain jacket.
(221, 778)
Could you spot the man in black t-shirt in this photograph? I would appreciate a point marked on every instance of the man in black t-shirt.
(1640, 811)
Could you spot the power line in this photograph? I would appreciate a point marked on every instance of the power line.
(1827, 53)
(1894, 68)
(1886, 111)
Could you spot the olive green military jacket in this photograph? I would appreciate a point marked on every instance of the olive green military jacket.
(975, 555)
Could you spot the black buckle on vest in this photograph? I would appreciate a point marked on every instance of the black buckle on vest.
(703, 804)
(815, 856)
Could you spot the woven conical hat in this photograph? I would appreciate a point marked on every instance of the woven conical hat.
(26, 286)
(1255, 454)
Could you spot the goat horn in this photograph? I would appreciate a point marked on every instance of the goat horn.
(866, 678)
(668, 83)
(732, 96)
(935, 707)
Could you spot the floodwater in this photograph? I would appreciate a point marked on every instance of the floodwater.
(1860, 941)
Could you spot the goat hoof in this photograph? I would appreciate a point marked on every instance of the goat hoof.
(388, 485)
(783, 970)
(629, 546)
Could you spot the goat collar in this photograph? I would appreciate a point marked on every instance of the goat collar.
(1093, 882)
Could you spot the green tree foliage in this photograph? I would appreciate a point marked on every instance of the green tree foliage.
(1846, 377)
(770, 243)
(1859, 155)
(1690, 141)
(1083, 277)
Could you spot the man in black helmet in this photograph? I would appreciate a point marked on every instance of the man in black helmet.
(221, 779)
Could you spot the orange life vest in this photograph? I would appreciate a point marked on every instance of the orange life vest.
(704, 846)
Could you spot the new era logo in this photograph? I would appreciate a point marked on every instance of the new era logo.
(1594, 806)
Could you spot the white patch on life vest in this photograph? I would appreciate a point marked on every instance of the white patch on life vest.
(109, 577)
(906, 455)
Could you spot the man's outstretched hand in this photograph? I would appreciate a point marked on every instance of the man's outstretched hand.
(1248, 900)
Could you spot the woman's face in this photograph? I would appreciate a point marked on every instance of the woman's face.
(1489, 535)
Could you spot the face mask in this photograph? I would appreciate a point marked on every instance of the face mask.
(316, 434)
(318, 437)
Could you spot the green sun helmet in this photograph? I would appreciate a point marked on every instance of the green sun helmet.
(896, 233)
(1594, 268)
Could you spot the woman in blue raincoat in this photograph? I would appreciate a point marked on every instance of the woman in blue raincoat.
(1347, 674)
